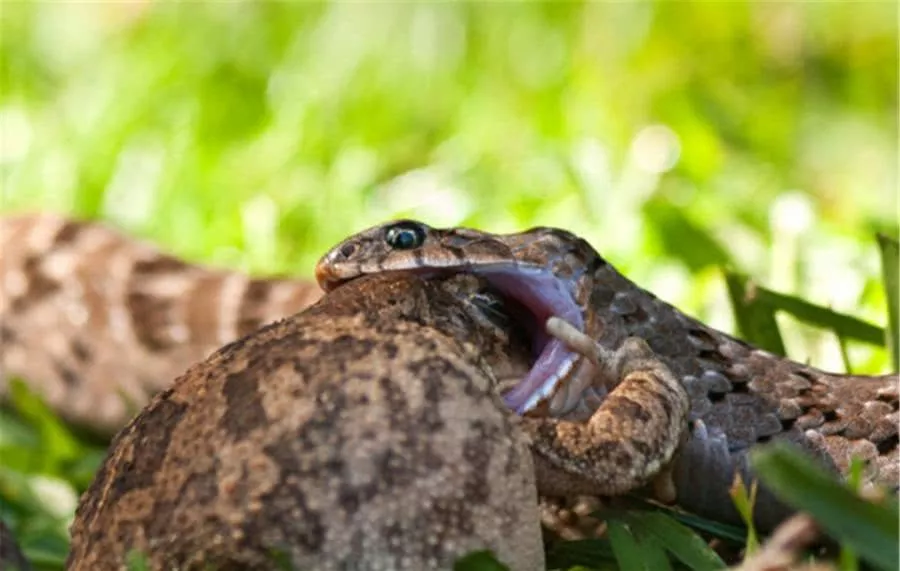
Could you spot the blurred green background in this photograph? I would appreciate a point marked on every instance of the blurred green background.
(678, 138)
(674, 136)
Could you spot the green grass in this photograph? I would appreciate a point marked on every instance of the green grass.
(681, 140)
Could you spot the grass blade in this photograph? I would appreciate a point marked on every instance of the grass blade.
(890, 277)
(755, 316)
(870, 529)
(684, 544)
(592, 553)
(479, 561)
(625, 546)
(846, 326)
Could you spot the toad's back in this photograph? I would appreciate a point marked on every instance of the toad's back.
(360, 434)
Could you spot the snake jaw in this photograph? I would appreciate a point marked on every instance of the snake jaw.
(541, 295)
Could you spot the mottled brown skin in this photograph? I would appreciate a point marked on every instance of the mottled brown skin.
(362, 433)
(96, 322)
(628, 441)
(740, 396)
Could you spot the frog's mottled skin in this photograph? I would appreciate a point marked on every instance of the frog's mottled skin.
(362, 433)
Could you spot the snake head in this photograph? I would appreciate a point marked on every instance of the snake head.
(538, 271)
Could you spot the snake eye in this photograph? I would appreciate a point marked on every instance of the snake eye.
(404, 235)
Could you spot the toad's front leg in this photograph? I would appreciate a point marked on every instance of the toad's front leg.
(632, 437)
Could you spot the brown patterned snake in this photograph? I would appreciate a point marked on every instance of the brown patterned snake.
(740, 395)
(97, 322)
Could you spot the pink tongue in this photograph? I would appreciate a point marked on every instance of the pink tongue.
(544, 295)
(540, 382)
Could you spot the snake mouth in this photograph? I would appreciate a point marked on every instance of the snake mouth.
(538, 295)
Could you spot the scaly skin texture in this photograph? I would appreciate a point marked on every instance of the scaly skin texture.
(741, 395)
(629, 440)
(96, 322)
(363, 433)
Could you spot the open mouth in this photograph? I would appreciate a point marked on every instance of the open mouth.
(539, 295)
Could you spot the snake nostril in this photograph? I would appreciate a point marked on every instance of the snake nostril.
(348, 249)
